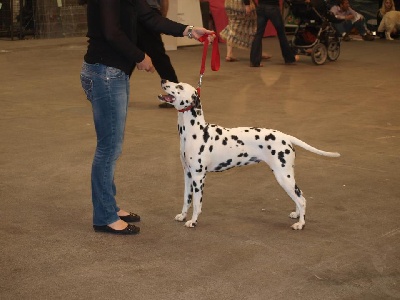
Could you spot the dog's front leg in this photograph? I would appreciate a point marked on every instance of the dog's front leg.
(197, 188)
(187, 198)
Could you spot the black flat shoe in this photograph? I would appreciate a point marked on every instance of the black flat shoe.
(130, 218)
(130, 229)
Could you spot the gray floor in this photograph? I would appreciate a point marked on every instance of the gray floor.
(243, 247)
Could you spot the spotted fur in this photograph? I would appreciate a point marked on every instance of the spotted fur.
(208, 147)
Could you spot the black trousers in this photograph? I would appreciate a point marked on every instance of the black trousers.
(151, 43)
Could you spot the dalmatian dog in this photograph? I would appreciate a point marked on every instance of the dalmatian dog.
(208, 147)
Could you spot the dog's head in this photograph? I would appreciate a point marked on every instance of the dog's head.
(181, 95)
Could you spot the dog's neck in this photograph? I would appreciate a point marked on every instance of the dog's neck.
(193, 115)
(186, 108)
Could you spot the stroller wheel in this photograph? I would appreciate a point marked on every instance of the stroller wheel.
(319, 54)
(333, 50)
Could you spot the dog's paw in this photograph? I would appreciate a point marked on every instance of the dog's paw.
(190, 224)
(180, 217)
(294, 215)
(298, 226)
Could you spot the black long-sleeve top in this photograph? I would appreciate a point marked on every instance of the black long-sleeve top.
(112, 31)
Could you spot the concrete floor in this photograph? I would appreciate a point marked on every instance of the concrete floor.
(243, 247)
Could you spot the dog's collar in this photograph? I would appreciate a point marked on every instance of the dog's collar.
(186, 108)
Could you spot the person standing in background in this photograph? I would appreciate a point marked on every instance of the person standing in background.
(270, 10)
(151, 43)
(242, 25)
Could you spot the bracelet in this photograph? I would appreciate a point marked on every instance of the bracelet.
(190, 34)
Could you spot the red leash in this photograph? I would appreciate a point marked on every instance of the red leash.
(215, 58)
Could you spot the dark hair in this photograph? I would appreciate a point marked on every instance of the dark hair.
(82, 2)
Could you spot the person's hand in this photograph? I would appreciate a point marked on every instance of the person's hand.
(146, 64)
(198, 32)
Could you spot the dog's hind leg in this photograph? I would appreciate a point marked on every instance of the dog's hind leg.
(387, 34)
(289, 185)
(197, 188)
(187, 198)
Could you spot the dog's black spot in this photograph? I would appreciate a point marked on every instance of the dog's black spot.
(255, 159)
(223, 165)
(297, 190)
(246, 130)
(217, 137)
(211, 148)
(194, 136)
(234, 137)
(196, 190)
(269, 147)
(225, 141)
(281, 157)
(287, 151)
(188, 174)
(273, 152)
(201, 149)
(270, 137)
(282, 165)
(206, 135)
(192, 122)
(199, 170)
(219, 131)
(283, 143)
(288, 176)
(257, 137)
(256, 129)
(189, 199)
(182, 103)
(199, 160)
(260, 146)
(194, 183)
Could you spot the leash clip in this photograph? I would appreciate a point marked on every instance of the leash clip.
(200, 80)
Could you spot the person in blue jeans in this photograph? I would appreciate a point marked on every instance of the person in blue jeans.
(270, 10)
(110, 59)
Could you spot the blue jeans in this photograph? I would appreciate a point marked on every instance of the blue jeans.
(347, 26)
(107, 89)
(272, 13)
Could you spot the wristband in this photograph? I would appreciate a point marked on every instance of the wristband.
(190, 34)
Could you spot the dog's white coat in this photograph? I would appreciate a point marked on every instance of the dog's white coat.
(390, 23)
(211, 148)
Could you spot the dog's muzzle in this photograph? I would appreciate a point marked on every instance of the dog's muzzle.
(166, 98)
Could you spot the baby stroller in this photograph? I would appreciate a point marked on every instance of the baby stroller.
(315, 35)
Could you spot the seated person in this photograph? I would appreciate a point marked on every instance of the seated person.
(387, 5)
(351, 19)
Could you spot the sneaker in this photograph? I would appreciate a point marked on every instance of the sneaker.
(368, 37)
(165, 105)
(346, 37)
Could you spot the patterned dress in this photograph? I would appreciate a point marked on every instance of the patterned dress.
(241, 28)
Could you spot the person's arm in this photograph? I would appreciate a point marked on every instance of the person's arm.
(157, 23)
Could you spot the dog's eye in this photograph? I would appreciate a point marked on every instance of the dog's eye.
(179, 87)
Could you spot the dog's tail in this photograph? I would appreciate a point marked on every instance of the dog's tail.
(306, 146)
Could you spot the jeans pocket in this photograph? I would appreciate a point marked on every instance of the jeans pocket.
(87, 85)
(113, 73)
